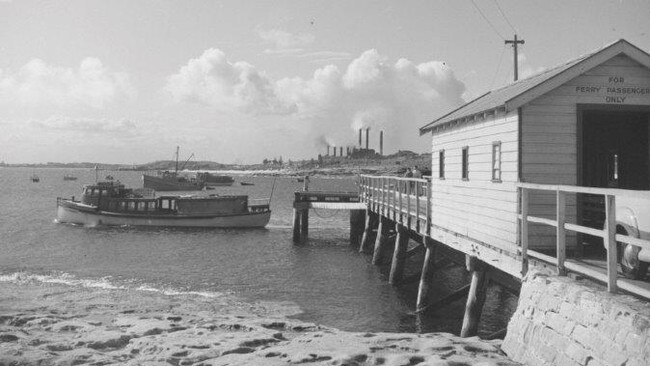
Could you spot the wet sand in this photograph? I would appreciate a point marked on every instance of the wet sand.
(57, 324)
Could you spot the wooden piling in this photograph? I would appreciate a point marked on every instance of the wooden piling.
(304, 225)
(367, 232)
(381, 240)
(427, 275)
(399, 255)
(296, 226)
(357, 225)
(475, 298)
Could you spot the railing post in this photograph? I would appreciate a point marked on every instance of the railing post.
(428, 230)
(610, 242)
(383, 195)
(399, 191)
(408, 204)
(417, 205)
(560, 231)
(524, 230)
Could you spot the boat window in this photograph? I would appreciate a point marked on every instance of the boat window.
(122, 206)
(151, 206)
(131, 206)
(142, 206)
(164, 204)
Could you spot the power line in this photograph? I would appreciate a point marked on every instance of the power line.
(504, 16)
(487, 20)
(503, 50)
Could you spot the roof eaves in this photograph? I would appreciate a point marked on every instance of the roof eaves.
(429, 126)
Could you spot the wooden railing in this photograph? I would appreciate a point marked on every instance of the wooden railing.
(404, 200)
(607, 233)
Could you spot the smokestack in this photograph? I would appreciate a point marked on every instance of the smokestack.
(347, 151)
(328, 150)
(367, 134)
(341, 151)
(334, 151)
(360, 139)
(381, 142)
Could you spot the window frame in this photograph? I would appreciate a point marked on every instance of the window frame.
(464, 163)
(496, 172)
(441, 164)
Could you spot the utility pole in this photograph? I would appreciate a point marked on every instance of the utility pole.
(514, 43)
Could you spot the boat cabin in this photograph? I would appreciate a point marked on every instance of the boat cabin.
(114, 197)
(582, 123)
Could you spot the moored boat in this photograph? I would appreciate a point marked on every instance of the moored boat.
(69, 177)
(170, 181)
(35, 178)
(209, 179)
(110, 203)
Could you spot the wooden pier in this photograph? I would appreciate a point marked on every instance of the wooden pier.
(387, 212)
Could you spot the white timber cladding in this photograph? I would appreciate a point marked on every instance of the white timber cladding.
(549, 133)
(478, 208)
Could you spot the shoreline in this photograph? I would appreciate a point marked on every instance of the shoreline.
(50, 323)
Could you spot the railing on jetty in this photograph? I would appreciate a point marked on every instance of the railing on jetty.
(404, 200)
(407, 201)
(607, 233)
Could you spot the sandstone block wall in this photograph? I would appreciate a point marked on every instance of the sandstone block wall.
(561, 321)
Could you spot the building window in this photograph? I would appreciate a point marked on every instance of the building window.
(465, 163)
(496, 161)
(441, 164)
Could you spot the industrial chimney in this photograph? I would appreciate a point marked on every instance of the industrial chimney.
(328, 150)
(334, 151)
(367, 134)
(341, 151)
(360, 139)
(381, 143)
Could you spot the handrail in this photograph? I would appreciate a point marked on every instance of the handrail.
(608, 232)
(399, 198)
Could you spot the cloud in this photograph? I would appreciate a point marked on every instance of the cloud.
(285, 40)
(332, 104)
(92, 126)
(213, 80)
(40, 84)
(525, 69)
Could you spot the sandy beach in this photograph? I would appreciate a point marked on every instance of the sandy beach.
(59, 324)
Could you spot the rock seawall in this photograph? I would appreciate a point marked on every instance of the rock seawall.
(561, 321)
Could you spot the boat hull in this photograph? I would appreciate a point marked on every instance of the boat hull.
(69, 212)
(160, 184)
(218, 184)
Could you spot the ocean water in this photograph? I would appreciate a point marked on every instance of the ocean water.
(325, 281)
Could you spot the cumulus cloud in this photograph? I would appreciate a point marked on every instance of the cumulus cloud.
(38, 83)
(332, 104)
(285, 40)
(212, 79)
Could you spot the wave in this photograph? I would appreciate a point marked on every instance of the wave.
(101, 283)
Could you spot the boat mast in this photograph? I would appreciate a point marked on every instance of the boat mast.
(177, 148)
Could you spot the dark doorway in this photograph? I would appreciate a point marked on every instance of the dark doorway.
(614, 154)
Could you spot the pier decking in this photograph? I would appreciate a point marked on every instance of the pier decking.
(399, 209)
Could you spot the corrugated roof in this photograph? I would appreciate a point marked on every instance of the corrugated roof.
(499, 97)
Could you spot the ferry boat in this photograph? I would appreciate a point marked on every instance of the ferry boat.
(209, 179)
(111, 204)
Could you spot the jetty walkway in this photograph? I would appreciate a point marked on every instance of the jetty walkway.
(389, 211)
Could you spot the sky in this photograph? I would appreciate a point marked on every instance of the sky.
(127, 81)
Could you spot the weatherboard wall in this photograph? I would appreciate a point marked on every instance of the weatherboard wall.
(550, 132)
(478, 208)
